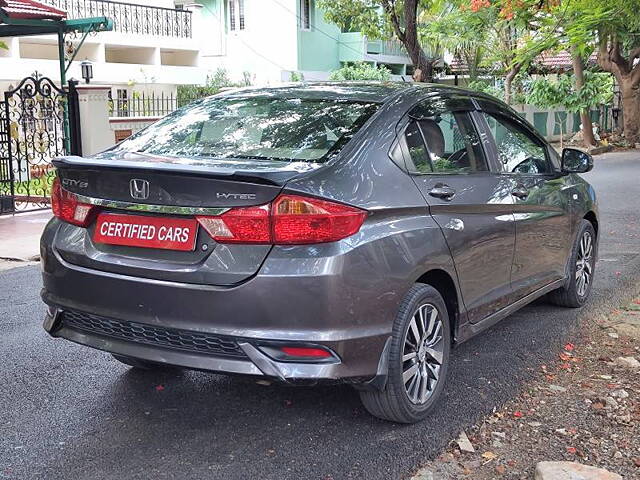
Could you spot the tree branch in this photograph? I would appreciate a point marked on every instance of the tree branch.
(389, 8)
(634, 69)
(635, 53)
(635, 75)
(618, 59)
(604, 58)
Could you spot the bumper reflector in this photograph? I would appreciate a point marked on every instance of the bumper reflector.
(305, 352)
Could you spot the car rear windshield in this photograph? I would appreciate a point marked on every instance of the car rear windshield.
(291, 129)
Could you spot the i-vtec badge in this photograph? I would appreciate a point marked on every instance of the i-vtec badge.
(236, 196)
(70, 182)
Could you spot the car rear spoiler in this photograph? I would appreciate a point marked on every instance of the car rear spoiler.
(256, 171)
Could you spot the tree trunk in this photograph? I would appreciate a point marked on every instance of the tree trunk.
(627, 73)
(472, 58)
(508, 81)
(630, 110)
(422, 65)
(585, 119)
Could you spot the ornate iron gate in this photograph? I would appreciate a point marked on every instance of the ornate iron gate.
(6, 174)
(31, 134)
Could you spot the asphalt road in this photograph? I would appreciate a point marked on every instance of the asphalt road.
(68, 412)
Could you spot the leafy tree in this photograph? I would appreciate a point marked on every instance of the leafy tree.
(566, 92)
(572, 37)
(612, 27)
(516, 34)
(456, 28)
(597, 89)
(220, 79)
(382, 19)
(361, 71)
(486, 87)
(577, 59)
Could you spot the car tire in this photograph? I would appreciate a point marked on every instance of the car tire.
(417, 370)
(577, 288)
(139, 363)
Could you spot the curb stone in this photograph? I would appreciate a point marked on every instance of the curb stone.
(572, 471)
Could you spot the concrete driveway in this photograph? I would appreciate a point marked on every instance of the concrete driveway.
(20, 236)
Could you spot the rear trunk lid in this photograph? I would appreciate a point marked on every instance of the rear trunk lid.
(169, 188)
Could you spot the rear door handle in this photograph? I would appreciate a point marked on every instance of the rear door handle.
(520, 192)
(442, 191)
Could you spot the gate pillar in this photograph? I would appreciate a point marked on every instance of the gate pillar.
(93, 110)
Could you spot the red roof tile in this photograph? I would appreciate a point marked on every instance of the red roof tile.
(31, 9)
(559, 60)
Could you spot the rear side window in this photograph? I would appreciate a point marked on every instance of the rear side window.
(519, 151)
(417, 149)
(445, 143)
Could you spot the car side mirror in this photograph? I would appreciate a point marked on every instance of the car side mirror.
(576, 161)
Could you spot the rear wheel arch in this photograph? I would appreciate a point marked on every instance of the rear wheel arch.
(444, 283)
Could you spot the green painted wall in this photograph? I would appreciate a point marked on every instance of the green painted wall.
(318, 47)
(350, 48)
(576, 122)
(212, 9)
(540, 122)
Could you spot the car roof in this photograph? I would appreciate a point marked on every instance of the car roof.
(378, 92)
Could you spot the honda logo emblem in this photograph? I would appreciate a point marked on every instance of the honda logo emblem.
(139, 189)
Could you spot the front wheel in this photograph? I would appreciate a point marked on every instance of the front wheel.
(418, 359)
(581, 269)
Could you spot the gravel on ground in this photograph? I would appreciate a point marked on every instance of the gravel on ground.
(582, 407)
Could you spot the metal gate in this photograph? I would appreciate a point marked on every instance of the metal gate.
(31, 134)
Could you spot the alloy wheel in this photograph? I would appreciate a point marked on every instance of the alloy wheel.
(422, 354)
(584, 264)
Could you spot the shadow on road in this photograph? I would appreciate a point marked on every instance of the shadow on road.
(152, 421)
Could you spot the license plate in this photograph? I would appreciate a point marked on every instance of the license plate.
(146, 232)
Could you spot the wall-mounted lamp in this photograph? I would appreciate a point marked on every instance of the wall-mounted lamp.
(87, 70)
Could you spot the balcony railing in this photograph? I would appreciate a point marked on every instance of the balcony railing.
(148, 105)
(355, 47)
(132, 18)
(386, 47)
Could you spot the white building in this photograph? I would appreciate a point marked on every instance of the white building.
(152, 46)
(159, 44)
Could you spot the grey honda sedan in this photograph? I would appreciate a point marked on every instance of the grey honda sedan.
(318, 233)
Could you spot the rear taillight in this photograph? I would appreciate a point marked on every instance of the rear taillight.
(288, 220)
(240, 225)
(299, 220)
(66, 207)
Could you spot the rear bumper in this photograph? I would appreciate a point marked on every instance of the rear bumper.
(252, 361)
(319, 309)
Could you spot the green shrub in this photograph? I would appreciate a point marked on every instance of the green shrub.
(214, 83)
(361, 71)
(486, 87)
